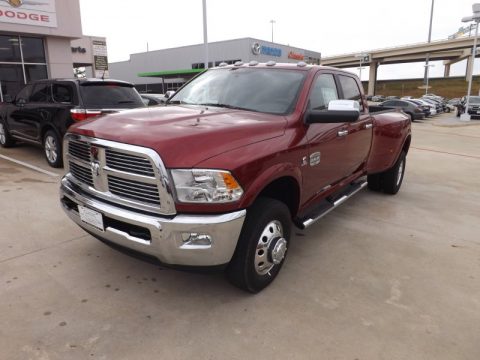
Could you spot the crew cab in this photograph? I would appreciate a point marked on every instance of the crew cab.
(43, 110)
(217, 177)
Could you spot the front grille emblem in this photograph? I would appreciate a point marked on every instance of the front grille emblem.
(95, 166)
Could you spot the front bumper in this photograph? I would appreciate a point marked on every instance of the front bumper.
(162, 237)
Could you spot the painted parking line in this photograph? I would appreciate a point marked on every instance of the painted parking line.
(29, 166)
(446, 152)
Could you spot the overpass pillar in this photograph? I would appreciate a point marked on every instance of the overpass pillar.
(469, 67)
(446, 72)
(372, 79)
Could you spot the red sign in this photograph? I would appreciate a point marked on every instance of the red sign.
(296, 56)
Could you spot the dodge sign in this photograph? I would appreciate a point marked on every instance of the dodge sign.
(29, 12)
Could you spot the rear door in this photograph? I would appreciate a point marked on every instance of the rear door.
(359, 138)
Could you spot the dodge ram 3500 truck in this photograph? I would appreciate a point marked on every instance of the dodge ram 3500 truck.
(238, 154)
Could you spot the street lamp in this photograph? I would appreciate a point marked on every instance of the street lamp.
(272, 22)
(427, 66)
(475, 17)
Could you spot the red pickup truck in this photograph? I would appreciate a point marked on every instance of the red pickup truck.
(218, 175)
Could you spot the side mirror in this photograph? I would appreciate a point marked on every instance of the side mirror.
(339, 111)
(20, 102)
(169, 94)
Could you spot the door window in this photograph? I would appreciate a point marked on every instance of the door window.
(324, 90)
(41, 93)
(350, 89)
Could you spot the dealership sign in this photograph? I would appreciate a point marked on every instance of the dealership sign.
(29, 12)
(258, 49)
(295, 56)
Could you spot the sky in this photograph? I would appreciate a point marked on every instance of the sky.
(329, 27)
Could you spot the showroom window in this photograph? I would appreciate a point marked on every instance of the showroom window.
(22, 60)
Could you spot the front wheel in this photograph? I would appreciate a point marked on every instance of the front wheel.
(53, 149)
(262, 246)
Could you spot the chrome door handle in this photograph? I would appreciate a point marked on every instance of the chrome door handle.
(368, 126)
(342, 133)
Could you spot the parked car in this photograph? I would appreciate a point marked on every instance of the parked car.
(473, 106)
(426, 108)
(153, 99)
(437, 104)
(216, 177)
(438, 100)
(433, 107)
(378, 98)
(43, 110)
(414, 111)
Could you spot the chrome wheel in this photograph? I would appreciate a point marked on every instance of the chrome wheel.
(3, 137)
(51, 149)
(400, 171)
(271, 248)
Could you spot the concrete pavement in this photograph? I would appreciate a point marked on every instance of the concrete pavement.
(382, 277)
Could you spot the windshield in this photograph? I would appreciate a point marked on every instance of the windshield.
(110, 95)
(474, 99)
(261, 89)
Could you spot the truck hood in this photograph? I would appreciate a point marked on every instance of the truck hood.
(184, 135)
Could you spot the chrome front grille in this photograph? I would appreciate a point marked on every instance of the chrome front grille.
(129, 163)
(79, 150)
(81, 173)
(134, 190)
(131, 176)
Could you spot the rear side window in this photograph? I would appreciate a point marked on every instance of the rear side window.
(24, 93)
(110, 95)
(62, 93)
(41, 93)
(350, 89)
(324, 90)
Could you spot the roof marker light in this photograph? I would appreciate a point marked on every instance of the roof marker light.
(271, 63)
(302, 64)
(239, 63)
(222, 64)
(253, 63)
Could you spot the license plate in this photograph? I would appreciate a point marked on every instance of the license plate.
(91, 217)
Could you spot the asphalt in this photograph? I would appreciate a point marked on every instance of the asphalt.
(381, 277)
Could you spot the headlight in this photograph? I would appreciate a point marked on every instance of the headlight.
(206, 186)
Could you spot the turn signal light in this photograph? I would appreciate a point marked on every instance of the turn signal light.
(83, 114)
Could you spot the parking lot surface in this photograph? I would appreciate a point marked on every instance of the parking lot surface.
(382, 277)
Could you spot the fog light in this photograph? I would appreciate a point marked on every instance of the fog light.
(196, 240)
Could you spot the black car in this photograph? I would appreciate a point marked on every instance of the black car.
(43, 110)
(473, 106)
(414, 111)
(425, 108)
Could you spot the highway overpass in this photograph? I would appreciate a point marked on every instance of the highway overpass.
(450, 51)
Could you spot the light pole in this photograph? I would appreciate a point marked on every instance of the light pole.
(272, 22)
(205, 39)
(475, 17)
(427, 67)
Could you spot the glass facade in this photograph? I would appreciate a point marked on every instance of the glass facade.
(22, 60)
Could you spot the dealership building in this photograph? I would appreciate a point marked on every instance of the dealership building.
(43, 39)
(161, 70)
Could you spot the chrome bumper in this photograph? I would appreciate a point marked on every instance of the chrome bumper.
(168, 236)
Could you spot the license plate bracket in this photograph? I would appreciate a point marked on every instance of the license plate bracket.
(91, 217)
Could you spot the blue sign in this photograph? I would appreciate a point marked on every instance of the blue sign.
(271, 51)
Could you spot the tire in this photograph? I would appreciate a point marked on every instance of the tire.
(53, 149)
(5, 137)
(390, 180)
(411, 117)
(374, 182)
(262, 246)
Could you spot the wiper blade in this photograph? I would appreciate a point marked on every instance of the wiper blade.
(125, 102)
(226, 106)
